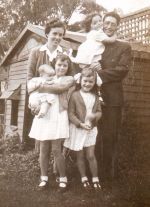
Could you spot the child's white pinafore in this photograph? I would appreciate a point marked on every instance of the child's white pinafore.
(54, 125)
(80, 138)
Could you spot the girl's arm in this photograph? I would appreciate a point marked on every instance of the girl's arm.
(94, 117)
(72, 112)
(100, 36)
(57, 88)
(98, 113)
(110, 39)
(72, 115)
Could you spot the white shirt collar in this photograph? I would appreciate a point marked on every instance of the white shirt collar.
(53, 54)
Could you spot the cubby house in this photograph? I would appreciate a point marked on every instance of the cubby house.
(15, 98)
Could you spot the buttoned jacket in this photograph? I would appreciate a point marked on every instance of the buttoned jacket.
(115, 64)
(77, 109)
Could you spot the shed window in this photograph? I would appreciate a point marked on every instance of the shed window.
(14, 112)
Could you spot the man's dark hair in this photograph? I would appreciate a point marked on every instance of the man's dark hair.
(112, 14)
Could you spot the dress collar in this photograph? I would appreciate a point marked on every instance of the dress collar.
(53, 54)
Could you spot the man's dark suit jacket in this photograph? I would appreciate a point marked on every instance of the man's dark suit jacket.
(115, 66)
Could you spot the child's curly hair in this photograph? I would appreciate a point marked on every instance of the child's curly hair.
(62, 57)
(89, 72)
(53, 23)
(88, 20)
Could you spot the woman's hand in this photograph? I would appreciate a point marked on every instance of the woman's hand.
(85, 126)
(96, 66)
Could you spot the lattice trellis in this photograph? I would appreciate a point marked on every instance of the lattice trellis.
(136, 26)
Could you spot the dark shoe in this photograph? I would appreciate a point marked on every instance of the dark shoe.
(97, 187)
(62, 187)
(86, 185)
(43, 185)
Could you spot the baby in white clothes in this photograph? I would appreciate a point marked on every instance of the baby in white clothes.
(91, 50)
(41, 101)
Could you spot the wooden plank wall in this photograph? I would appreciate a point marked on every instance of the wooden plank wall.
(18, 73)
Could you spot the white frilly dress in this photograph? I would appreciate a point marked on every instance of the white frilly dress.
(54, 125)
(80, 138)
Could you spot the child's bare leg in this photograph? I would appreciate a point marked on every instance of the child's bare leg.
(55, 171)
(58, 157)
(82, 170)
(43, 109)
(65, 152)
(60, 163)
(34, 105)
(44, 162)
(93, 167)
(90, 155)
(81, 163)
(44, 157)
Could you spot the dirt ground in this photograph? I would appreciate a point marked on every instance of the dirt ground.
(19, 178)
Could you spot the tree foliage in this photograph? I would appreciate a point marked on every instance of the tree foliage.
(16, 14)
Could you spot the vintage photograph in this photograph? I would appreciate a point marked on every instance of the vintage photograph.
(74, 103)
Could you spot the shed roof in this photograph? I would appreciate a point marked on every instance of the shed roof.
(70, 37)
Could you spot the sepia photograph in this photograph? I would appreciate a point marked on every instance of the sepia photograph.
(75, 103)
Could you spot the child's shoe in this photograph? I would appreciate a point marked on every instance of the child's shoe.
(62, 187)
(62, 184)
(97, 187)
(43, 183)
(86, 185)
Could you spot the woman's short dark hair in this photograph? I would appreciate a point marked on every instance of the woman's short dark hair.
(112, 14)
(88, 20)
(53, 23)
(62, 57)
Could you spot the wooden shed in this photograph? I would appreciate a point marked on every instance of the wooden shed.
(15, 97)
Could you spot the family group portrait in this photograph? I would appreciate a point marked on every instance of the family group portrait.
(74, 103)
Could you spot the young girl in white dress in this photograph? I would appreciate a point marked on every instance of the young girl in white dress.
(41, 101)
(54, 126)
(84, 113)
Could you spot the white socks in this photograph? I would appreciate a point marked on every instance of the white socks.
(63, 182)
(83, 179)
(44, 179)
(95, 179)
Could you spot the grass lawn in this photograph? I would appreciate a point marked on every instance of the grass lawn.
(19, 178)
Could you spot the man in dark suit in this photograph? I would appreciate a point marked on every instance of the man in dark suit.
(115, 66)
